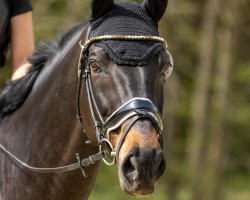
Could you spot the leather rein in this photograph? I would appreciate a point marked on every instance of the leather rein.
(138, 108)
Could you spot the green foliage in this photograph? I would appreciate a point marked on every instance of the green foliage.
(5, 73)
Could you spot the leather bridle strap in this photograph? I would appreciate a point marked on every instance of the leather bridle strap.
(93, 105)
(80, 164)
(129, 126)
(122, 139)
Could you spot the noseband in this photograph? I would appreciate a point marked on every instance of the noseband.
(135, 109)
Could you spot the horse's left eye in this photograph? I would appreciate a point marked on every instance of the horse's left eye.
(95, 67)
(167, 70)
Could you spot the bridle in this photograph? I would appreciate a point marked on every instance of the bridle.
(138, 108)
(135, 109)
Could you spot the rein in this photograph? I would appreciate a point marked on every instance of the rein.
(80, 164)
(136, 108)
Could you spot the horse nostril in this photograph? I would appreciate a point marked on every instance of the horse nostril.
(130, 165)
(145, 164)
(160, 166)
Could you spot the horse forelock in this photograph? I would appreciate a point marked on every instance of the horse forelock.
(14, 93)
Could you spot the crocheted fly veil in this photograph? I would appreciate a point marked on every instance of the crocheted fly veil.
(126, 18)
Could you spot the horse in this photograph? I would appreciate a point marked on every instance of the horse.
(79, 103)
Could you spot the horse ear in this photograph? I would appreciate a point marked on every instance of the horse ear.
(100, 7)
(155, 8)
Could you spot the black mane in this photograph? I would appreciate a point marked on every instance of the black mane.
(13, 95)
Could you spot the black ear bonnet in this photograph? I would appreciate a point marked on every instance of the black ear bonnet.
(126, 18)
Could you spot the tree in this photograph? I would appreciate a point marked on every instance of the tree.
(215, 152)
(200, 98)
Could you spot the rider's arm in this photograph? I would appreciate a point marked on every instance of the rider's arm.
(22, 43)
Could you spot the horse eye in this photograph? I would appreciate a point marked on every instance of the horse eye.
(95, 67)
(167, 71)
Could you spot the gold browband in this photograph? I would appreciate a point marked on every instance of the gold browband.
(123, 37)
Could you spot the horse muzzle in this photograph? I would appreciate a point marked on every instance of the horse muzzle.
(140, 169)
(139, 150)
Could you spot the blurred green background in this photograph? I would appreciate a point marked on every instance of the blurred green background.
(207, 103)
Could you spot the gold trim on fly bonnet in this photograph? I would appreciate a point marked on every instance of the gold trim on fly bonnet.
(122, 37)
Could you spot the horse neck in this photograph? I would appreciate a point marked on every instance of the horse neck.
(55, 91)
(60, 90)
(49, 133)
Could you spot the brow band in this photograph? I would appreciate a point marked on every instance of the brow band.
(123, 37)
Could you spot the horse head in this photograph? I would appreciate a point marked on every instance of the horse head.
(125, 64)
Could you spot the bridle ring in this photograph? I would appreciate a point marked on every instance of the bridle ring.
(111, 155)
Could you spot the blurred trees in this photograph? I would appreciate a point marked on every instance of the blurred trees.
(207, 103)
(204, 134)
(199, 99)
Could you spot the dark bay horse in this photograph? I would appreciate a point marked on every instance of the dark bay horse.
(119, 103)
